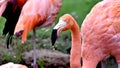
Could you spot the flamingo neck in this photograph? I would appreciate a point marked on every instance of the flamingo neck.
(76, 46)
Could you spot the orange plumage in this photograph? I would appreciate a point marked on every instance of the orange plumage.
(100, 33)
(37, 13)
(21, 2)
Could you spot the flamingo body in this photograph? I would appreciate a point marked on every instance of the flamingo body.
(36, 13)
(100, 33)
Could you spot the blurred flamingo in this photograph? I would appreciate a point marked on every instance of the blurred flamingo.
(100, 33)
(12, 65)
(36, 13)
(10, 9)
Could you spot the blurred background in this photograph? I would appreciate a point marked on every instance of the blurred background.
(78, 8)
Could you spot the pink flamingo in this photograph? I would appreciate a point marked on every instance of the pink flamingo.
(68, 22)
(36, 13)
(100, 33)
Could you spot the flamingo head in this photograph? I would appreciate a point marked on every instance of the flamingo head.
(26, 23)
(64, 24)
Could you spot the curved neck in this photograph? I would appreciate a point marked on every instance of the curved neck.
(76, 46)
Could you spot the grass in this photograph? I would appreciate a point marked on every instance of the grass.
(2, 22)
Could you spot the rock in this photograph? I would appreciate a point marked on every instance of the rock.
(51, 58)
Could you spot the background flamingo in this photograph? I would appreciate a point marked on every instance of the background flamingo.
(12, 65)
(36, 13)
(10, 9)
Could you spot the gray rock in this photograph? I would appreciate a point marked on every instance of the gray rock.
(51, 58)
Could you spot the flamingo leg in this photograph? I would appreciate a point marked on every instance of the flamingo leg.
(103, 64)
(118, 65)
(34, 62)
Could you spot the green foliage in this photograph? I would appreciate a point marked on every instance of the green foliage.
(2, 22)
(78, 8)
(9, 57)
(41, 63)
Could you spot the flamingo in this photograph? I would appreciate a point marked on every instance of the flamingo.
(99, 32)
(12, 65)
(68, 22)
(10, 9)
(101, 29)
(36, 14)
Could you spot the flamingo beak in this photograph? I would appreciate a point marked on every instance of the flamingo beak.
(54, 36)
(57, 30)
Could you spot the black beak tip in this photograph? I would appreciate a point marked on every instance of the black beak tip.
(54, 36)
